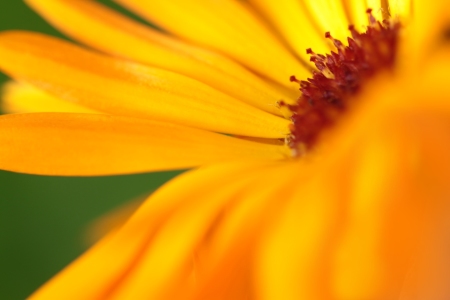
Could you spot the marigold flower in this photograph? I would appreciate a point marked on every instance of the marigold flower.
(339, 191)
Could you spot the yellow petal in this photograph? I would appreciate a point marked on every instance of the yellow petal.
(434, 90)
(380, 8)
(120, 257)
(400, 9)
(291, 18)
(429, 31)
(377, 7)
(89, 144)
(106, 30)
(22, 98)
(227, 26)
(357, 13)
(330, 16)
(124, 88)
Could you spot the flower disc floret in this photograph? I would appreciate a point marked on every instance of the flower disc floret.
(338, 77)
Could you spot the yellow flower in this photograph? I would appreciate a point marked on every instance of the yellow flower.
(359, 211)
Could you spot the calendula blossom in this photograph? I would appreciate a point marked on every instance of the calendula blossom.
(339, 191)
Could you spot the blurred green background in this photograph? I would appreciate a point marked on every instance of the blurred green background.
(43, 219)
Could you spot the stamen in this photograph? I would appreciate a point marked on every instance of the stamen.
(338, 77)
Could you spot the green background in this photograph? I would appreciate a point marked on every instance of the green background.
(43, 219)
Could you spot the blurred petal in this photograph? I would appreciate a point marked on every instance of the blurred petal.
(434, 90)
(173, 258)
(294, 22)
(387, 227)
(226, 259)
(125, 88)
(380, 227)
(88, 144)
(111, 221)
(106, 30)
(400, 191)
(291, 258)
(429, 31)
(22, 98)
(175, 218)
(226, 26)
(431, 90)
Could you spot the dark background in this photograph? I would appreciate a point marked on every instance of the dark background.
(43, 219)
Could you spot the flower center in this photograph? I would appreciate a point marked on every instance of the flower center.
(339, 76)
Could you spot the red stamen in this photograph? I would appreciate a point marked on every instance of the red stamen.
(339, 76)
(294, 79)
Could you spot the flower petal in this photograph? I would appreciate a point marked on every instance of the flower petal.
(357, 13)
(386, 181)
(330, 16)
(400, 9)
(22, 98)
(89, 144)
(379, 9)
(174, 218)
(226, 260)
(119, 87)
(291, 18)
(430, 29)
(173, 258)
(400, 187)
(291, 259)
(434, 90)
(227, 26)
(111, 221)
(106, 30)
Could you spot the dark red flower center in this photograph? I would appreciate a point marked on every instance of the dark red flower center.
(338, 77)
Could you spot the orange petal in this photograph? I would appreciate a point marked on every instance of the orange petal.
(111, 221)
(163, 221)
(226, 26)
(123, 88)
(88, 144)
(403, 159)
(291, 259)
(386, 181)
(292, 19)
(429, 29)
(106, 30)
(434, 90)
(172, 258)
(22, 98)
(226, 266)
(399, 194)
